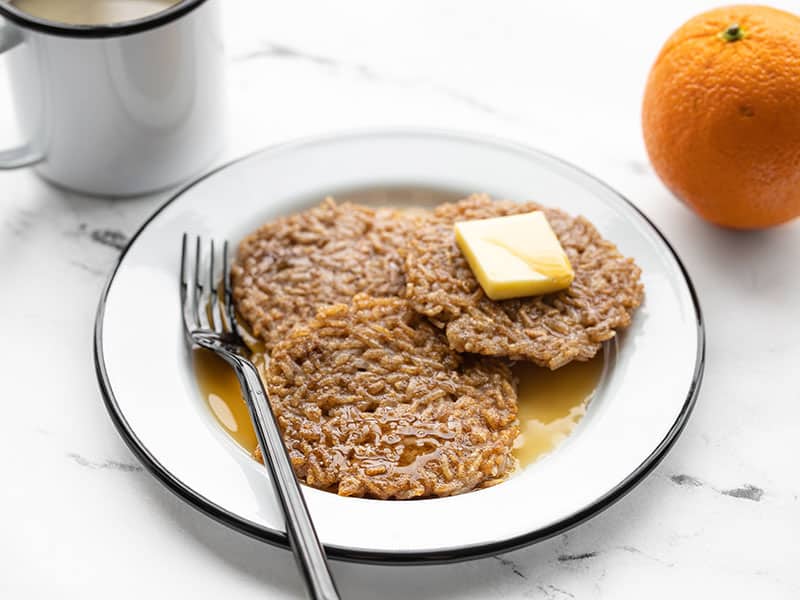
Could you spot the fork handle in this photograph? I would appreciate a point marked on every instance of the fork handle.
(303, 540)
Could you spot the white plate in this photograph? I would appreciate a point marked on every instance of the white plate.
(150, 391)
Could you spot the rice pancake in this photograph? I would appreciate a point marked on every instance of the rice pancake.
(372, 401)
(549, 330)
(292, 266)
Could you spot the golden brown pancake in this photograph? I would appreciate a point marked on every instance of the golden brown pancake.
(372, 401)
(292, 266)
(549, 330)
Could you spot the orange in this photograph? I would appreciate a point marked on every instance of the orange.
(721, 115)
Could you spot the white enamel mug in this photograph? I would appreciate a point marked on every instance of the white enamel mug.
(119, 109)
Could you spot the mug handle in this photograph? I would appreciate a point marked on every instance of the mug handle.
(23, 155)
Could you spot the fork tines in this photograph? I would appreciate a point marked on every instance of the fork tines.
(200, 293)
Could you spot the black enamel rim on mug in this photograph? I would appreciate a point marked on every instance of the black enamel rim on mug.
(279, 538)
(157, 19)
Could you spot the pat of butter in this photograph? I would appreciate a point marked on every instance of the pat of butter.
(515, 256)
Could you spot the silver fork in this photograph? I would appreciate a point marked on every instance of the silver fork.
(210, 324)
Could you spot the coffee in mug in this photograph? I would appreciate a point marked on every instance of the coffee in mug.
(92, 12)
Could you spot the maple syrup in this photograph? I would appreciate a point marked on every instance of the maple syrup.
(551, 403)
(220, 389)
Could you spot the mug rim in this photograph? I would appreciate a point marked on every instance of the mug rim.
(28, 21)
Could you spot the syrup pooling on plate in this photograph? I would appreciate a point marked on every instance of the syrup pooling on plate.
(551, 403)
(220, 390)
(330, 376)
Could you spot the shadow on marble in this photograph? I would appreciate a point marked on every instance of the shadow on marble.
(252, 558)
(743, 261)
(547, 569)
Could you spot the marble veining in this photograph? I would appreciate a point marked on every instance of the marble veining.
(511, 565)
(109, 237)
(563, 558)
(683, 479)
(20, 222)
(746, 491)
(552, 592)
(105, 464)
(86, 268)
(272, 50)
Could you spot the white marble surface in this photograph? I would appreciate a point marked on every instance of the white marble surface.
(720, 517)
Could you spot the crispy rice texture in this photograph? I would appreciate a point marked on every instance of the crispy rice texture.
(372, 401)
(549, 330)
(292, 266)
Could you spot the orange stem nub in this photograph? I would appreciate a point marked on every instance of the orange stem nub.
(734, 33)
